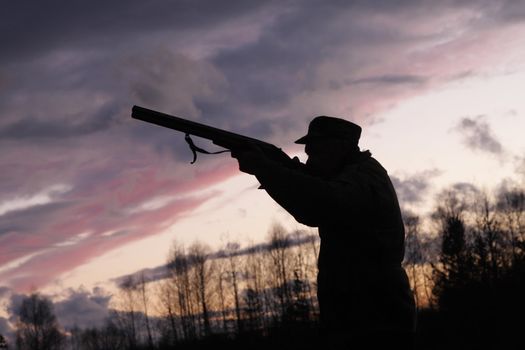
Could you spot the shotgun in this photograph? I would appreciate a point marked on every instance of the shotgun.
(226, 139)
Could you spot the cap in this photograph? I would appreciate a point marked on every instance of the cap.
(322, 127)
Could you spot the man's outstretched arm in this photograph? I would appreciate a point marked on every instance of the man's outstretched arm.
(311, 200)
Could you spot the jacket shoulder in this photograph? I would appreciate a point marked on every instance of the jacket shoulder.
(368, 170)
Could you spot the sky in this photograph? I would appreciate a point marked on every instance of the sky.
(88, 194)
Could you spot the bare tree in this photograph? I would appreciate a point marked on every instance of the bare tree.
(142, 288)
(221, 288)
(128, 318)
(37, 326)
(252, 309)
(167, 297)
(179, 266)
(312, 246)
(254, 297)
(304, 269)
(107, 337)
(279, 244)
(232, 254)
(198, 255)
(488, 240)
(3, 342)
(511, 206)
(413, 255)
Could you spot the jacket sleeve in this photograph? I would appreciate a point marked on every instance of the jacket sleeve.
(313, 200)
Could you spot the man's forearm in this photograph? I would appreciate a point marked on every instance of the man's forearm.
(309, 199)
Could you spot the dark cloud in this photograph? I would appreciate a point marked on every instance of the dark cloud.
(41, 111)
(149, 275)
(465, 187)
(390, 80)
(29, 128)
(172, 82)
(468, 194)
(300, 58)
(15, 301)
(83, 309)
(4, 291)
(31, 218)
(162, 272)
(283, 61)
(456, 198)
(510, 195)
(236, 85)
(413, 189)
(28, 28)
(5, 328)
(80, 308)
(478, 135)
(510, 11)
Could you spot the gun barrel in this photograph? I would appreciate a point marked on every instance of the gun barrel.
(220, 137)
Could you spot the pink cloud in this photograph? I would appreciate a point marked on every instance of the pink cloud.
(100, 207)
(47, 266)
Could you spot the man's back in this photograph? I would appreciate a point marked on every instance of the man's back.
(361, 283)
(363, 291)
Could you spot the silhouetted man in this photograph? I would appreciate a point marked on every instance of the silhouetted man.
(364, 294)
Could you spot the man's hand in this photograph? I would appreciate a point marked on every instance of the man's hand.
(251, 160)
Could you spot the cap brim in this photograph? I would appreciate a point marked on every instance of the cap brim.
(302, 140)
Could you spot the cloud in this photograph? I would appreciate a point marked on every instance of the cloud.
(362, 61)
(4, 291)
(511, 11)
(28, 128)
(519, 166)
(102, 24)
(83, 309)
(5, 329)
(41, 198)
(457, 197)
(31, 218)
(465, 187)
(390, 80)
(162, 272)
(478, 136)
(172, 82)
(73, 308)
(411, 190)
(77, 131)
(40, 231)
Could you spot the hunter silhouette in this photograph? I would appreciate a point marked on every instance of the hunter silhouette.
(364, 295)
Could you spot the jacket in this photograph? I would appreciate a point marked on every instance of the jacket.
(361, 283)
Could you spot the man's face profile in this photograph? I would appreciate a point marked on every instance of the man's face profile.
(325, 155)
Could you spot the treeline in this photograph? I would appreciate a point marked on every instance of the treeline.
(478, 275)
(229, 293)
(466, 263)
(249, 293)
